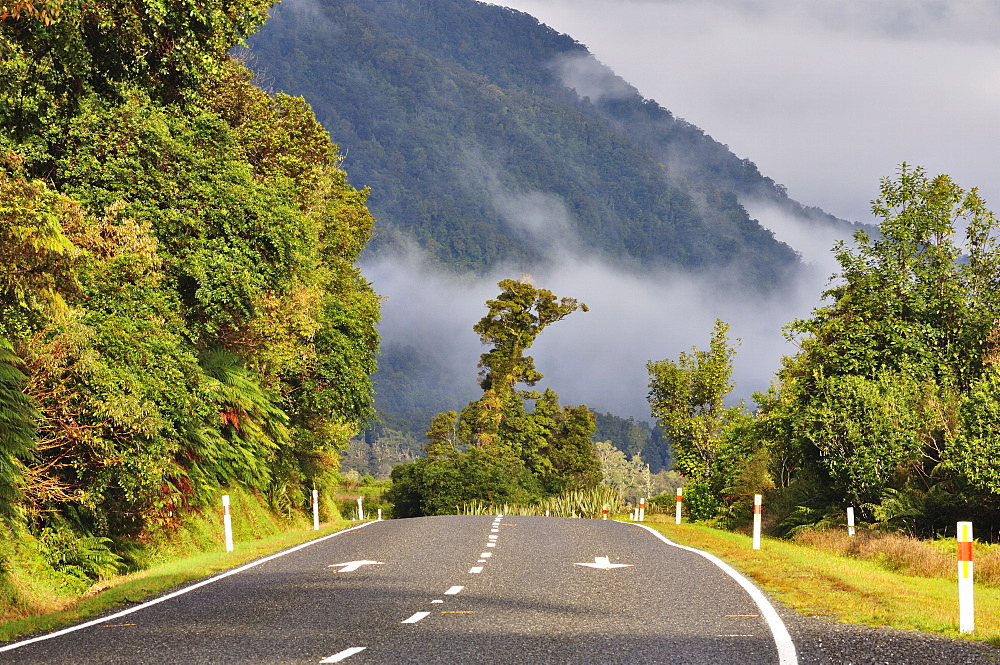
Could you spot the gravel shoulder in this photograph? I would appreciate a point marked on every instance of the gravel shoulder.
(821, 641)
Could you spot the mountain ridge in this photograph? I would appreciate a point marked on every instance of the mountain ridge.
(449, 108)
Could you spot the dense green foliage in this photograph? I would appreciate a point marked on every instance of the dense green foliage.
(178, 298)
(635, 437)
(496, 451)
(891, 403)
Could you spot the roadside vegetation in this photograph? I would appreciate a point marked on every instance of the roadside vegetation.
(891, 403)
(38, 595)
(181, 316)
(874, 579)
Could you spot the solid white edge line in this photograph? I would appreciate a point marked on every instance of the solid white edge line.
(179, 592)
(417, 617)
(346, 653)
(782, 639)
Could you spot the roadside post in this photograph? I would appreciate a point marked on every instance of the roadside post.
(757, 500)
(850, 521)
(379, 514)
(966, 606)
(315, 510)
(361, 510)
(604, 513)
(227, 523)
(642, 509)
(680, 500)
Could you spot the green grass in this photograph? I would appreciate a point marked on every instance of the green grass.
(843, 588)
(160, 577)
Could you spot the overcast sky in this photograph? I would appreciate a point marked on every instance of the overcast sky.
(825, 96)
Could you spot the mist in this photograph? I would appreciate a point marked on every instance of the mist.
(598, 358)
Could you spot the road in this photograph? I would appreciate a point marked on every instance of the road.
(470, 590)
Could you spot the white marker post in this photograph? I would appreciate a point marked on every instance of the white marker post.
(227, 523)
(850, 521)
(966, 607)
(361, 510)
(642, 509)
(757, 500)
(680, 500)
(379, 514)
(315, 510)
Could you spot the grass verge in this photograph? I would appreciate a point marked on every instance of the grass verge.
(819, 583)
(160, 577)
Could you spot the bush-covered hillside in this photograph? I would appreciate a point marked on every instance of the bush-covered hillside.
(179, 307)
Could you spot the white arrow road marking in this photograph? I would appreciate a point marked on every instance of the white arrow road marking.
(180, 592)
(603, 563)
(351, 566)
(346, 653)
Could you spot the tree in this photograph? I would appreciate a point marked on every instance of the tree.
(442, 436)
(511, 454)
(891, 391)
(687, 397)
(515, 319)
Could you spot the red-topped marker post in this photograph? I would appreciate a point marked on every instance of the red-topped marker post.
(680, 500)
(966, 607)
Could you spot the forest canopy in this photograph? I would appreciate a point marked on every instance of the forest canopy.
(179, 307)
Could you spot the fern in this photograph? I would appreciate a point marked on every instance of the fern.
(17, 428)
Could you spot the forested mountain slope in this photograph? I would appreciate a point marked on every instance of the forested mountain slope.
(456, 113)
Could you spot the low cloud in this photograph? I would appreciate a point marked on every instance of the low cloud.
(591, 78)
(599, 357)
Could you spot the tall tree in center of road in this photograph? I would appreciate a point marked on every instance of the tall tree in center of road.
(511, 455)
(515, 318)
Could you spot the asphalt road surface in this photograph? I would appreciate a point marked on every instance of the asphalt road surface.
(466, 590)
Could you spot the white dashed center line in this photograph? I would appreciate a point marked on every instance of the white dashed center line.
(453, 590)
(346, 653)
(416, 617)
(476, 570)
